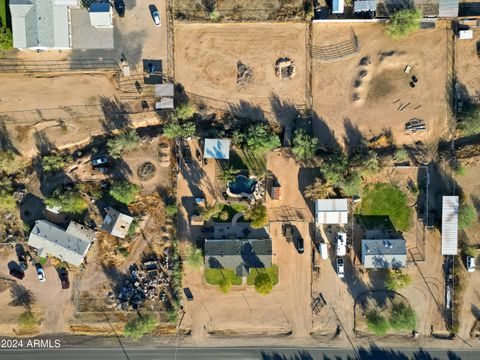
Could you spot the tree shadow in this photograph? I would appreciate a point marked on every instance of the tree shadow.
(43, 143)
(31, 209)
(297, 355)
(115, 114)
(250, 257)
(476, 203)
(5, 140)
(353, 138)
(246, 110)
(328, 141)
(285, 112)
(21, 296)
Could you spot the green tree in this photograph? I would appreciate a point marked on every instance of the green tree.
(238, 138)
(7, 201)
(171, 210)
(54, 162)
(124, 191)
(402, 317)
(401, 155)
(263, 283)
(139, 326)
(123, 142)
(227, 174)
(179, 130)
(466, 215)
(376, 323)
(68, 200)
(194, 257)
(396, 280)
(257, 214)
(10, 163)
(351, 185)
(210, 211)
(225, 284)
(6, 42)
(261, 139)
(404, 22)
(469, 121)
(336, 168)
(183, 111)
(320, 189)
(304, 146)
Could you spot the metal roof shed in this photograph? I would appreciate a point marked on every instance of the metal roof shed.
(217, 149)
(101, 15)
(338, 6)
(384, 253)
(365, 6)
(163, 90)
(164, 103)
(448, 8)
(450, 225)
(331, 211)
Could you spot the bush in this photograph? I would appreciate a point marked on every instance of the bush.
(263, 284)
(7, 201)
(261, 139)
(123, 142)
(466, 215)
(304, 146)
(225, 284)
(124, 191)
(376, 323)
(238, 138)
(183, 112)
(397, 280)
(402, 317)
(68, 200)
(9, 162)
(177, 130)
(27, 320)
(53, 162)
(6, 41)
(352, 185)
(258, 216)
(194, 257)
(171, 210)
(139, 326)
(469, 121)
(401, 155)
(319, 190)
(404, 22)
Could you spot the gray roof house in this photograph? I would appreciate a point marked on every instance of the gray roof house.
(69, 245)
(238, 254)
(116, 223)
(384, 253)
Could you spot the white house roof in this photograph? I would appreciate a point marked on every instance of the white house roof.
(384, 253)
(450, 225)
(69, 245)
(331, 211)
(116, 223)
(100, 14)
(217, 149)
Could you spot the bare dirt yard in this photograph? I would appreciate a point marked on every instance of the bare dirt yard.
(467, 66)
(207, 57)
(377, 96)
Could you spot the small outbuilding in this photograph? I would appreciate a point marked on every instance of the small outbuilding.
(217, 149)
(331, 211)
(338, 6)
(450, 225)
(116, 223)
(384, 253)
(101, 14)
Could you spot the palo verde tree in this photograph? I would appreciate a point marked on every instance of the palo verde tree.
(122, 142)
(69, 200)
(124, 191)
(404, 22)
(396, 280)
(304, 146)
(176, 129)
(263, 284)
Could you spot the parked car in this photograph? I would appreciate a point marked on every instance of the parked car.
(40, 272)
(188, 294)
(300, 245)
(470, 264)
(17, 273)
(340, 268)
(64, 280)
(100, 161)
(288, 232)
(22, 261)
(156, 18)
(120, 7)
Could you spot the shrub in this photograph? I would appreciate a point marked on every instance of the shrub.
(176, 130)
(352, 185)
(404, 22)
(139, 326)
(376, 323)
(194, 257)
(7, 201)
(469, 121)
(183, 111)
(396, 280)
(319, 190)
(124, 191)
(53, 162)
(460, 170)
(258, 216)
(6, 41)
(27, 320)
(172, 315)
(261, 139)
(227, 174)
(402, 317)
(9, 162)
(401, 155)
(466, 215)
(263, 283)
(304, 146)
(224, 215)
(171, 210)
(123, 142)
(211, 211)
(225, 284)
(238, 138)
(68, 200)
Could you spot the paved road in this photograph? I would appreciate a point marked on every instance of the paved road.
(238, 354)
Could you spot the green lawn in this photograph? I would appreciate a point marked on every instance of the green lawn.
(3, 12)
(386, 200)
(232, 210)
(241, 160)
(272, 271)
(214, 276)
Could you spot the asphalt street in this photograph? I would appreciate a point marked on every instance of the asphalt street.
(238, 354)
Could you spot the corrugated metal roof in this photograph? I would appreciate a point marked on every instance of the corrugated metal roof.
(362, 5)
(164, 103)
(61, 26)
(217, 149)
(338, 6)
(331, 211)
(450, 225)
(448, 8)
(384, 253)
(164, 90)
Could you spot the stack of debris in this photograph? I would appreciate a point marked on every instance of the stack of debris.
(285, 68)
(244, 74)
(414, 125)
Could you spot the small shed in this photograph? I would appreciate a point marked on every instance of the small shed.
(450, 225)
(338, 6)
(217, 149)
(331, 211)
(162, 90)
(465, 34)
(384, 253)
(164, 103)
(101, 14)
(448, 8)
(116, 223)
(365, 6)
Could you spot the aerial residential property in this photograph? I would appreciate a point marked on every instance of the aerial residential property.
(223, 179)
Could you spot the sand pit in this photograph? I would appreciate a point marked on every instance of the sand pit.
(206, 58)
(371, 89)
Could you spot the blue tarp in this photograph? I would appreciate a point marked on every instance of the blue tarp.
(217, 149)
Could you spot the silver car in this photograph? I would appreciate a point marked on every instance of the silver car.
(340, 268)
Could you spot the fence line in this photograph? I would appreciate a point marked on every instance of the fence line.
(27, 66)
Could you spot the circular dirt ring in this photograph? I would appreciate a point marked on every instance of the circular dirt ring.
(146, 171)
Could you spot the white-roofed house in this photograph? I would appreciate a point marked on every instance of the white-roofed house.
(331, 211)
(116, 223)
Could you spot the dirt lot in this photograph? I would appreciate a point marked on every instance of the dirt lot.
(467, 66)
(385, 89)
(206, 59)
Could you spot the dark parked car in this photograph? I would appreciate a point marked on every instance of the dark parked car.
(120, 7)
(64, 280)
(17, 273)
(300, 245)
(188, 294)
(22, 261)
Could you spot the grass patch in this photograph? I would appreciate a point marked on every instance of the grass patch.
(271, 271)
(27, 320)
(387, 200)
(241, 160)
(216, 276)
(376, 323)
(3, 12)
(227, 212)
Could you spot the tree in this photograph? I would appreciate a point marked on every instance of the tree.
(238, 138)
(466, 215)
(194, 257)
(179, 130)
(401, 155)
(304, 146)
(5, 38)
(27, 320)
(320, 189)
(124, 191)
(183, 111)
(402, 317)
(171, 210)
(68, 200)
(54, 162)
(139, 326)
(7, 201)
(225, 284)
(263, 284)
(123, 142)
(396, 280)
(404, 22)
(469, 121)
(210, 211)
(227, 174)
(351, 185)
(257, 214)
(336, 168)
(261, 139)
(376, 323)
(10, 163)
